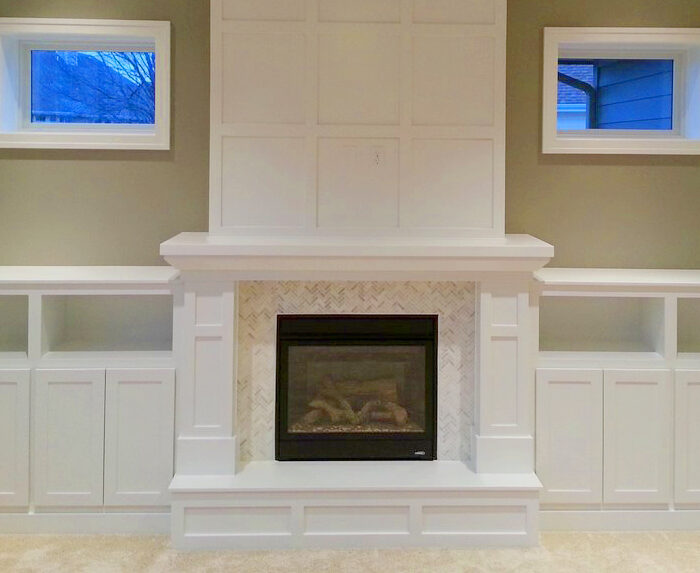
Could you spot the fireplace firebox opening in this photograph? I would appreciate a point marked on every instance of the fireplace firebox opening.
(356, 387)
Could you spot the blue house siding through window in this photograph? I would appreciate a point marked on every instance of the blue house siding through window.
(635, 94)
(626, 94)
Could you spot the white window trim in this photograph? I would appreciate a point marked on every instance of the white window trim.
(19, 35)
(680, 44)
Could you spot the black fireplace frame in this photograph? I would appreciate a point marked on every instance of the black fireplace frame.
(357, 330)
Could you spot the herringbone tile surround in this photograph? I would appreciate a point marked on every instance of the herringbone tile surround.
(259, 303)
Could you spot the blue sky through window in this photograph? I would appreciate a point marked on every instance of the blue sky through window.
(92, 87)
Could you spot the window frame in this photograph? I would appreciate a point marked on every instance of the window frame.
(682, 45)
(18, 37)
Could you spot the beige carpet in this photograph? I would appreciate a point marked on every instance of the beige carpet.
(559, 552)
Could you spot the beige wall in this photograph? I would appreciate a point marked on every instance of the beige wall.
(115, 207)
(606, 211)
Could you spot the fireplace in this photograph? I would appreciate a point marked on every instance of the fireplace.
(356, 387)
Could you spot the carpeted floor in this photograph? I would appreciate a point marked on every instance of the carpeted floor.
(665, 552)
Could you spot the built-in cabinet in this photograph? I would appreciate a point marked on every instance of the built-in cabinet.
(139, 436)
(604, 436)
(618, 390)
(87, 389)
(569, 434)
(14, 437)
(637, 430)
(102, 437)
(68, 413)
(687, 482)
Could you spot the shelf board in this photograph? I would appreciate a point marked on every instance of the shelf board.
(85, 347)
(103, 276)
(153, 358)
(13, 357)
(692, 358)
(618, 279)
(561, 359)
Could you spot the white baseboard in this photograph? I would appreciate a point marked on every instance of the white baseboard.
(619, 520)
(85, 523)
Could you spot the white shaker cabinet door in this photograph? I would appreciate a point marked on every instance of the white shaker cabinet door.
(569, 435)
(14, 438)
(68, 437)
(637, 444)
(687, 436)
(139, 427)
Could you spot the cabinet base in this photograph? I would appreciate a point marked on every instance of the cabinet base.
(619, 520)
(85, 523)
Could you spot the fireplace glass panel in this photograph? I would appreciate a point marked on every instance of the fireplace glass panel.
(356, 387)
(344, 389)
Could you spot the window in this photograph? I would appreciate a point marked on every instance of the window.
(84, 84)
(621, 90)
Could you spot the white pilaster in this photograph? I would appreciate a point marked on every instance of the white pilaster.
(205, 324)
(503, 436)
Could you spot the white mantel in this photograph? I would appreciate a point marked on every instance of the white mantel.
(355, 258)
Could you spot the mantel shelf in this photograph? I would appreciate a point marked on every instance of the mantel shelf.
(353, 257)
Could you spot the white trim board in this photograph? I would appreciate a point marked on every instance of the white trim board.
(621, 520)
(85, 523)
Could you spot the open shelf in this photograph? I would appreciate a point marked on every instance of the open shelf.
(13, 326)
(106, 323)
(602, 324)
(689, 327)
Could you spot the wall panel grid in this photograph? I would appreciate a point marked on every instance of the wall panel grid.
(330, 116)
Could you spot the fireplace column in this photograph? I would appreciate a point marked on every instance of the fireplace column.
(205, 322)
(503, 433)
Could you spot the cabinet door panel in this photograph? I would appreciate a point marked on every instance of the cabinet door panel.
(139, 427)
(570, 435)
(69, 437)
(687, 436)
(14, 438)
(637, 426)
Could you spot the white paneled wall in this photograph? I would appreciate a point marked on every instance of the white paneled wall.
(331, 116)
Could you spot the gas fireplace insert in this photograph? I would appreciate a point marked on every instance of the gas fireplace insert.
(356, 387)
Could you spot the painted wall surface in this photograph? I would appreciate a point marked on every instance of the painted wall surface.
(598, 211)
(115, 207)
